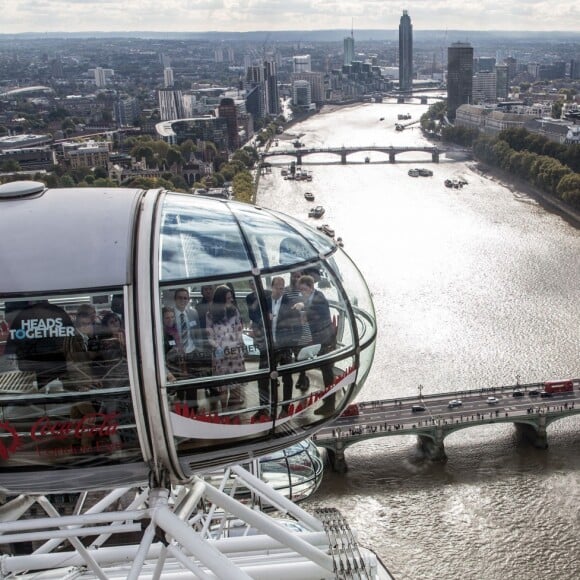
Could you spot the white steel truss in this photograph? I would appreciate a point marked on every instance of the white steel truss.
(194, 531)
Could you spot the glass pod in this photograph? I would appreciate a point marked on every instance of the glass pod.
(157, 334)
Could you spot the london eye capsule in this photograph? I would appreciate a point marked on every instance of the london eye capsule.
(154, 334)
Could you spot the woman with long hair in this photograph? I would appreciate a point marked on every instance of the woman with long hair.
(224, 328)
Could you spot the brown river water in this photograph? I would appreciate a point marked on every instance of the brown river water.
(473, 287)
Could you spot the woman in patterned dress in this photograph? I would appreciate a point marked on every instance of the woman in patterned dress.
(224, 329)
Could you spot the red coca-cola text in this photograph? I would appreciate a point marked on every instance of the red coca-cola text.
(96, 424)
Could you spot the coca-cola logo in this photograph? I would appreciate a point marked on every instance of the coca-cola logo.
(10, 444)
(92, 424)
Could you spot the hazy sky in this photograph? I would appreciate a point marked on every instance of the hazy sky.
(245, 15)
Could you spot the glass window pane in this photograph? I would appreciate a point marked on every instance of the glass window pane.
(200, 238)
(212, 330)
(64, 381)
(275, 242)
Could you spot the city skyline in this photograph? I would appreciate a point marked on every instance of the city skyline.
(255, 15)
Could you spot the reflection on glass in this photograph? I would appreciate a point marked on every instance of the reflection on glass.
(273, 242)
(198, 241)
(267, 303)
(64, 383)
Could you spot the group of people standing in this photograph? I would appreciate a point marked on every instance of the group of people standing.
(206, 339)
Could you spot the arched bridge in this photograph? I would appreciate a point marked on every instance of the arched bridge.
(430, 418)
(344, 152)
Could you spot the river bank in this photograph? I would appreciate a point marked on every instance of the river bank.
(547, 201)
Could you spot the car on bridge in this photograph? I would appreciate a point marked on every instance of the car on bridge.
(518, 393)
(417, 408)
(454, 403)
(492, 400)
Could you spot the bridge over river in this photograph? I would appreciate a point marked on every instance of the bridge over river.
(344, 152)
(522, 405)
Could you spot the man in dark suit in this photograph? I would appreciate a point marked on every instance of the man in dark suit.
(286, 330)
(317, 313)
(259, 337)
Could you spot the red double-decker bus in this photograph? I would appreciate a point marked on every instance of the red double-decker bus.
(562, 386)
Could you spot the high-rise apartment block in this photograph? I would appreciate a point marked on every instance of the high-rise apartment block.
(316, 81)
(168, 77)
(512, 64)
(484, 89)
(126, 111)
(502, 81)
(301, 94)
(227, 110)
(348, 47)
(405, 53)
(272, 95)
(459, 76)
(170, 105)
(102, 75)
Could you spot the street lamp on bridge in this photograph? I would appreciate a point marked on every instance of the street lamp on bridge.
(420, 391)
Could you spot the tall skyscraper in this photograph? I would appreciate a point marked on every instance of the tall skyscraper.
(272, 96)
(459, 76)
(255, 86)
(503, 83)
(348, 44)
(227, 110)
(405, 53)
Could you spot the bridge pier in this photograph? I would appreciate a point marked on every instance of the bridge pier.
(298, 159)
(433, 447)
(336, 458)
(343, 158)
(435, 156)
(391, 157)
(534, 434)
(423, 100)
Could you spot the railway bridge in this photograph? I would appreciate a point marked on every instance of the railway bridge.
(431, 418)
(344, 152)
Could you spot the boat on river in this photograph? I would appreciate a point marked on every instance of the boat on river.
(413, 173)
(326, 229)
(309, 196)
(316, 212)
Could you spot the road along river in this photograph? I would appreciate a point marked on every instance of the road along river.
(473, 287)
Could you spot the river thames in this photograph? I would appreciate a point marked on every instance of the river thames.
(473, 287)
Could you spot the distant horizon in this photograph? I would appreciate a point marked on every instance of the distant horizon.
(300, 34)
(252, 16)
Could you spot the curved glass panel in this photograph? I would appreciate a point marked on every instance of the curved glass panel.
(199, 239)
(64, 382)
(295, 471)
(273, 241)
(253, 354)
(358, 294)
(323, 244)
